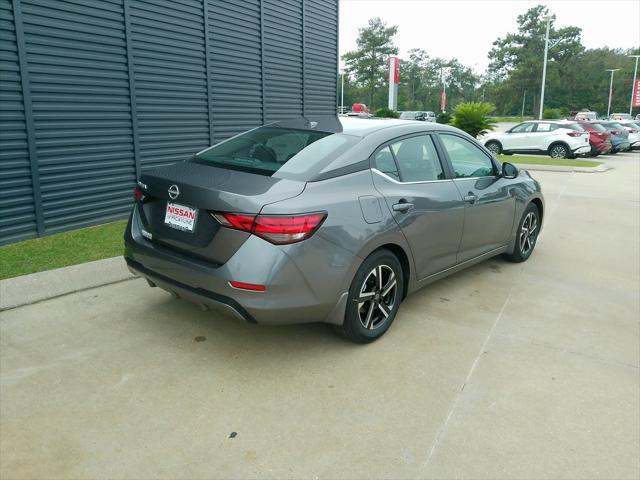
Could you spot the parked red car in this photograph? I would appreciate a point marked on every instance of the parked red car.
(599, 137)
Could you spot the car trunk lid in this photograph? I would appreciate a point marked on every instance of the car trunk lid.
(178, 198)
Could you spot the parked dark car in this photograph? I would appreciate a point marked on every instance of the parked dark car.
(330, 220)
(618, 135)
(420, 116)
(599, 138)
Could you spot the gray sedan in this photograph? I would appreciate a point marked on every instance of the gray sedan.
(328, 220)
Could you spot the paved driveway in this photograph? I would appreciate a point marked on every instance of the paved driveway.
(501, 371)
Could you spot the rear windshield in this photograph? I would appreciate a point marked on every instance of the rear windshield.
(573, 126)
(598, 127)
(267, 150)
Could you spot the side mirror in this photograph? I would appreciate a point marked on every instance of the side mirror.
(509, 170)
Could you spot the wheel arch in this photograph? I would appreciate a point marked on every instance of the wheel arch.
(559, 142)
(403, 258)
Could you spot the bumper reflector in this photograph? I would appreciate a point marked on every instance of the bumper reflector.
(248, 286)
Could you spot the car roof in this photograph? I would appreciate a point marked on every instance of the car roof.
(362, 127)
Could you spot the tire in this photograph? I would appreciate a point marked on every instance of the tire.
(366, 321)
(559, 150)
(494, 147)
(526, 237)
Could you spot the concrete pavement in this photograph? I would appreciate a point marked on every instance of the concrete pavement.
(500, 371)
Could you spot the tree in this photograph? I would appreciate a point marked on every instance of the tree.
(368, 63)
(472, 118)
(516, 60)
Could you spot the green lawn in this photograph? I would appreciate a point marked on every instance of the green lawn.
(60, 250)
(542, 160)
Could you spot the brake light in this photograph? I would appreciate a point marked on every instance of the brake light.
(138, 194)
(633, 130)
(615, 132)
(574, 134)
(248, 286)
(277, 229)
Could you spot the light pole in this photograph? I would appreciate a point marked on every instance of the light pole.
(544, 67)
(633, 83)
(610, 89)
(524, 96)
(342, 93)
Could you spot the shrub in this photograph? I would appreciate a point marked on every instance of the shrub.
(443, 117)
(472, 118)
(552, 113)
(386, 113)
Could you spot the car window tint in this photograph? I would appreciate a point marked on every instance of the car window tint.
(383, 161)
(417, 159)
(523, 128)
(467, 159)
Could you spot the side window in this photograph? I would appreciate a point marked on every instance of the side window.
(523, 128)
(383, 161)
(466, 158)
(546, 127)
(417, 159)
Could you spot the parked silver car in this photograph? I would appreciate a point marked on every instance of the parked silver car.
(328, 220)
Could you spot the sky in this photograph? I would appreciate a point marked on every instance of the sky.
(466, 29)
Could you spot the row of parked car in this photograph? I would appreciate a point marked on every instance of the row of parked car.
(566, 139)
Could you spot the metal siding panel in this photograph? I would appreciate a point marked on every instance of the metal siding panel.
(18, 220)
(81, 108)
(236, 71)
(283, 58)
(321, 56)
(170, 80)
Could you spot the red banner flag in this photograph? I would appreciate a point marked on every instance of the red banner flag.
(443, 101)
(636, 94)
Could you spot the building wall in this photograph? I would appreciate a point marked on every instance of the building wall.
(92, 92)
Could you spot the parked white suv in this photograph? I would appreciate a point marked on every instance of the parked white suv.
(559, 139)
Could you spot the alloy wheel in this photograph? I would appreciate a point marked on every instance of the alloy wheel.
(528, 233)
(377, 297)
(558, 152)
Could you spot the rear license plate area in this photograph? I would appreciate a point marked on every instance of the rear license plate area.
(180, 217)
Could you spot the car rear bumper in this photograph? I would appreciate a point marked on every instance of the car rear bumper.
(290, 296)
(582, 150)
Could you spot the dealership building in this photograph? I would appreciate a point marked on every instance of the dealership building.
(93, 92)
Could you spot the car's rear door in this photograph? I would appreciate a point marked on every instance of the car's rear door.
(423, 200)
(489, 202)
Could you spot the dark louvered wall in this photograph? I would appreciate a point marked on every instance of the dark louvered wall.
(94, 91)
(16, 191)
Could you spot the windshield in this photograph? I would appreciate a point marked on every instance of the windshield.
(267, 149)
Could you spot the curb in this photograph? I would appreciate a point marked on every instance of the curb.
(553, 168)
(36, 287)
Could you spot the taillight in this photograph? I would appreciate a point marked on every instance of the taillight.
(574, 134)
(615, 132)
(248, 286)
(138, 194)
(277, 229)
(633, 130)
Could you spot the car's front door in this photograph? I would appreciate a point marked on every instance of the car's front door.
(490, 204)
(518, 138)
(423, 200)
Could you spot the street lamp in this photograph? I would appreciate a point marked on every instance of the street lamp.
(633, 83)
(342, 93)
(610, 89)
(544, 66)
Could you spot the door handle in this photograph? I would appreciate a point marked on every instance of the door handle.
(402, 206)
(470, 198)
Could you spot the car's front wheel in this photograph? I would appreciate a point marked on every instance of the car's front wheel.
(374, 297)
(527, 234)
